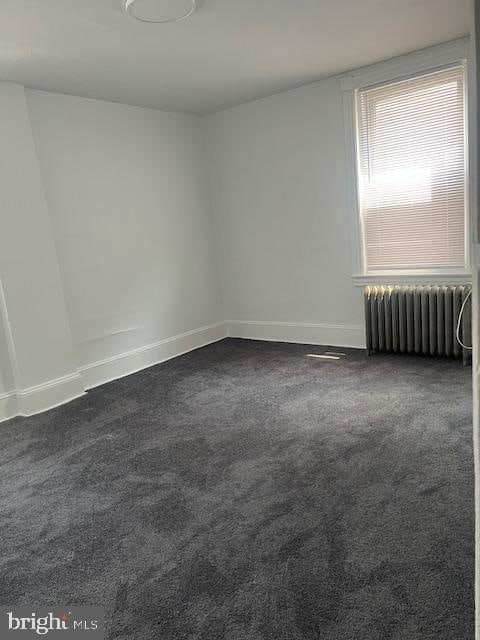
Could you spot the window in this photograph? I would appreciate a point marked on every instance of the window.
(411, 173)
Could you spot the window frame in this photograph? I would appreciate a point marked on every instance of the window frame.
(420, 63)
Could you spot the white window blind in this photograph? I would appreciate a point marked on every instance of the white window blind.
(411, 137)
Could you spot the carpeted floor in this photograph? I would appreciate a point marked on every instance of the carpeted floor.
(247, 492)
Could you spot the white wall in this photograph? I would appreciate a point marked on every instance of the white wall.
(41, 356)
(278, 189)
(474, 137)
(126, 192)
(6, 377)
(8, 400)
(110, 215)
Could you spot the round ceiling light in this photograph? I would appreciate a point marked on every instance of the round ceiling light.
(160, 12)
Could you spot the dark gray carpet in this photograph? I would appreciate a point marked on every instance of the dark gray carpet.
(248, 492)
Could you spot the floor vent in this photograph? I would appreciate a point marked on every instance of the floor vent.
(417, 319)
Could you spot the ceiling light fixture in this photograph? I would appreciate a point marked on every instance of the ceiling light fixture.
(138, 15)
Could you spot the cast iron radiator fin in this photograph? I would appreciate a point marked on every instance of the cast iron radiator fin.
(417, 319)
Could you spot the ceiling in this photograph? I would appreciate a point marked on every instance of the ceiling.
(228, 52)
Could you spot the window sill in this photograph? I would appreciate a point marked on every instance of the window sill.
(411, 278)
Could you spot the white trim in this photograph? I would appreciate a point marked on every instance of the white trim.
(29, 401)
(351, 144)
(8, 405)
(417, 278)
(12, 354)
(50, 394)
(423, 61)
(467, 102)
(124, 364)
(476, 433)
(407, 65)
(41, 397)
(335, 335)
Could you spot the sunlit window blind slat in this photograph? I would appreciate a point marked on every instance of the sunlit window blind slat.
(412, 172)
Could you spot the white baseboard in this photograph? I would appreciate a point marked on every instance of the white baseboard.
(335, 335)
(41, 397)
(49, 394)
(8, 405)
(124, 364)
(27, 402)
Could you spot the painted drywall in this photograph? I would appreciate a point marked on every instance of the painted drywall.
(8, 397)
(474, 137)
(126, 192)
(278, 193)
(31, 285)
(228, 52)
(6, 377)
(125, 197)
